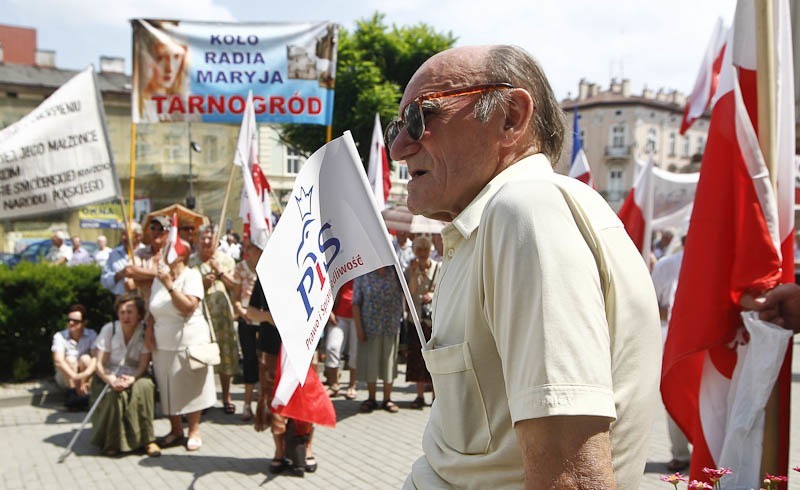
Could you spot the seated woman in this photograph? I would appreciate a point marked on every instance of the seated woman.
(123, 421)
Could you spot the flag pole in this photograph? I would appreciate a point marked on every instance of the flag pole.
(771, 460)
(224, 207)
(132, 170)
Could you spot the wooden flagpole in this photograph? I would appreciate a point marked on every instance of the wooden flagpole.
(771, 459)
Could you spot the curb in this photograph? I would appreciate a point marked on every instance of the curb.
(37, 393)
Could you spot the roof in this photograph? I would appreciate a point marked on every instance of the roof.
(617, 99)
(48, 79)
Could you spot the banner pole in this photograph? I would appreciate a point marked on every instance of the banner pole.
(771, 460)
(328, 132)
(224, 208)
(132, 170)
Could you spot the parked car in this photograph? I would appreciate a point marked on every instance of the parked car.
(36, 251)
(7, 258)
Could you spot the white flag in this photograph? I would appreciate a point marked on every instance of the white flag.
(247, 156)
(378, 164)
(329, 233)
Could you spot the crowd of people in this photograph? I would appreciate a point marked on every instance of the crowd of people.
(211, 292)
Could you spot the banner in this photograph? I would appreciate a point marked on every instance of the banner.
(107, 215)
(57, 157)
(329, 233)
(202, 71)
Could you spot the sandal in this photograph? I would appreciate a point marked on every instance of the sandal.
(311, 464)
(333, 391)
(170, 440)
(369, 405)
(351, 394)
(389, 406)
(229, 408)
(418, 403)
(194, 444)
(247, 414)
(278, 466)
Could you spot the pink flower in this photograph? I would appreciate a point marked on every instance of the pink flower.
(796, 468)
(674, 479)
(700, 485)
(775, 478)
(715, 474)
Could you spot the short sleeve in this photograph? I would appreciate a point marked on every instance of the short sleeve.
(103, 341)
(545, 306)
(258, 300)
(58, 343)
(193, 284)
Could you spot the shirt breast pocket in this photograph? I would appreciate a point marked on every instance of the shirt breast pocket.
(462, 413)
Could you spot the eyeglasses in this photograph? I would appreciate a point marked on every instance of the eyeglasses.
(412, 117)
(72, 321)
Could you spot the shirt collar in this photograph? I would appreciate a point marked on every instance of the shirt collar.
(468, 220)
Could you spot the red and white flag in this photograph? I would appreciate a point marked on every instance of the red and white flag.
(330, 233)
(707, 77)
(378, 167)
(175, 247)
(254, 207)
(579, 166)
(740, 240)
(637, 210)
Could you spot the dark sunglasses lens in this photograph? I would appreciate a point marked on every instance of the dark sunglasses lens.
(415, 123)
(392, 130)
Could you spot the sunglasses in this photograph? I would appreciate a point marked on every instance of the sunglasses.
(412, 117)
(72, 321)
(157, 228)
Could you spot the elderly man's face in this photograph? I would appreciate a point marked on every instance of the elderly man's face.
(457, 154)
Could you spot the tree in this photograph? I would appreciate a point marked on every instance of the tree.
(374, 66)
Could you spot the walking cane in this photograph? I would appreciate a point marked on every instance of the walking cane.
(68, 450)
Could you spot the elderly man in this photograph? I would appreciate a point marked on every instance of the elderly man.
(116, 275)
(60, 253)
(80, 256)
(545, 351)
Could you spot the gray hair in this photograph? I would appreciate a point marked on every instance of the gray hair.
(514, 65)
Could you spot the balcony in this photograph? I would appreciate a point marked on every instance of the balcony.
(624, 151)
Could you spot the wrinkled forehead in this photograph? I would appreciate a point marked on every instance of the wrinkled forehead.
(454, 68)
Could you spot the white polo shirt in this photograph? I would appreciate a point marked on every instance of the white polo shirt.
(544, 308)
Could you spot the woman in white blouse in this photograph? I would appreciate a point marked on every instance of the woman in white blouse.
(123, 421)
(184, 388)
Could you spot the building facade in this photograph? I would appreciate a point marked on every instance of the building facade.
(619, 128)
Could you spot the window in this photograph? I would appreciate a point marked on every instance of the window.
(701, 145)
(673, 142)
(292, 160)
(686, 146)
(652, 138)
(615, 186)
(175, 146)
(618, 136)
(210, 149)
(402, 171)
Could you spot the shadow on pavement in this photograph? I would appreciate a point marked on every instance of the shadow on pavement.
(657, 467)
(200, 466)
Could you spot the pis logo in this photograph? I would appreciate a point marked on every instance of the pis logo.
(313, 256)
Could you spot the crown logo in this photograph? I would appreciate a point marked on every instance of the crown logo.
(304, 202)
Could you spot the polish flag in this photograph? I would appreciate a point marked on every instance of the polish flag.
(175, 248)
(707, 78)
(378, 167)
(254, 207)
(637, 210)
(740, 240)
(579, 165)
(310, 401)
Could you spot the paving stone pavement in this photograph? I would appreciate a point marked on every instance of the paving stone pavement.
(365, 451)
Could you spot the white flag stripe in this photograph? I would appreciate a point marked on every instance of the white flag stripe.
(375, 166)
(247, 153)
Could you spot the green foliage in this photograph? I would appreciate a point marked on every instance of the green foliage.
(374, 65)
(33, 303)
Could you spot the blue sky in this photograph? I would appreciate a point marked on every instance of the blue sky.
(655, 43)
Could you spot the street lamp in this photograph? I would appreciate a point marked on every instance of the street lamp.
(193, 147)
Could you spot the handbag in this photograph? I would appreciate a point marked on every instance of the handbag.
(204, 355)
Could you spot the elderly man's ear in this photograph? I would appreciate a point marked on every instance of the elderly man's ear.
(518, 113)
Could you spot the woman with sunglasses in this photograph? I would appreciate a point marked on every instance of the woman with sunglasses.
(185, 389)
(123, 420)
(72, 358)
